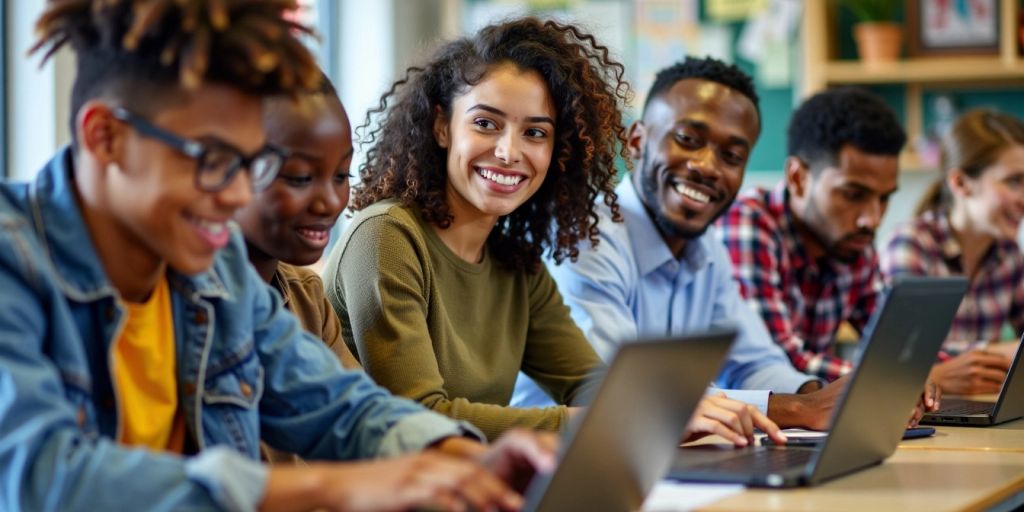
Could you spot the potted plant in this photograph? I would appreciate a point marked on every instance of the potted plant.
(878, 38)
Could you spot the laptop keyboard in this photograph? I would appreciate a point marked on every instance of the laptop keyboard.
(959, 407)
(759, 461)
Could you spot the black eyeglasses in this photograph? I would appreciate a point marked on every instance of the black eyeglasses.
(216, 163)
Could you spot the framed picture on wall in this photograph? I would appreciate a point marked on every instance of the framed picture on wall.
(953, 27)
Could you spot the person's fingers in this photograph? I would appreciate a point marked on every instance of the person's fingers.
(536, 449)
(712, 426)
(767, 426)
(721, 421)
(747, 421)
(988, 373)
(485, 491)
(479, 487)
(978, 386)
(730, 419)
(915, 416)
(930, 398)
(446, 499)
(991, 360)
(742, 412)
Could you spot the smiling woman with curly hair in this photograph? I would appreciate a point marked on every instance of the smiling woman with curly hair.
(491, 153)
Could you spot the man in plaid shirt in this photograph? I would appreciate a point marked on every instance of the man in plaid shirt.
(802, 251)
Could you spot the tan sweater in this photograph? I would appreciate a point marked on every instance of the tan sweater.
(451, 334)
(303, 294)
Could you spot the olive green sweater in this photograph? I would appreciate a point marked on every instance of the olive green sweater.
(451, 334)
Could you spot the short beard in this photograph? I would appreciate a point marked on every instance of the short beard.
(831, 248)
(652, 203)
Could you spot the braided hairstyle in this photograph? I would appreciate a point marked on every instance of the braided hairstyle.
(405, 162)
(141, 50)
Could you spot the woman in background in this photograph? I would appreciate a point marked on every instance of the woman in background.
(489, 155)
(967, 224)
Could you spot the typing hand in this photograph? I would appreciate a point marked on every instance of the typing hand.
(430, 479)
(930, 398)
(733, 420)
(973, 372)
(520, 454)
(807, 410)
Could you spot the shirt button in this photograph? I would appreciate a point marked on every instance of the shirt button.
(80, 417)
(200, 317)
(246, 389)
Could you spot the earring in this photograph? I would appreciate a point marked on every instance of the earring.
(113, 167)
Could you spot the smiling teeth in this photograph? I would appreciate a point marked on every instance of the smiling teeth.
(214, 228)
(314, 234)
(500, 179)
(696, 195)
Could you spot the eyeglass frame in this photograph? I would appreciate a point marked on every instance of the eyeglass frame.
(197, 151)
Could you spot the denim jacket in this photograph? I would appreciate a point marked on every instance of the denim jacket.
(246, 371)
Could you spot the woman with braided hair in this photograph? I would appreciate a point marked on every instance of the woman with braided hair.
(142, 359)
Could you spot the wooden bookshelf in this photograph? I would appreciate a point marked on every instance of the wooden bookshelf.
(822, 69)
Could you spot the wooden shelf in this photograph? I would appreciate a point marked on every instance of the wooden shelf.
(925, 71)
(821, 68)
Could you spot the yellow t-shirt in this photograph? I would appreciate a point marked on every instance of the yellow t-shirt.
(145, 378)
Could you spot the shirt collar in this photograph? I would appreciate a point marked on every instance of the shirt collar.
(946, 242)
(649, 248)
(778, 207)
(950, 246)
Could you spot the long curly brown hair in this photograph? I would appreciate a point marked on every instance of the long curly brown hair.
(405, 162)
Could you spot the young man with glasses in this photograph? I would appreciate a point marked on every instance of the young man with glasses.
(142, 359)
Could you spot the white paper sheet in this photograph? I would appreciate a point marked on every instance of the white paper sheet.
(672, 496)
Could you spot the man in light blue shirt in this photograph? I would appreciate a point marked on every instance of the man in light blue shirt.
(662, 271)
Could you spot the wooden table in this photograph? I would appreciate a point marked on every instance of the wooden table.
(961, 468)
(932, 480)
(1008, 437)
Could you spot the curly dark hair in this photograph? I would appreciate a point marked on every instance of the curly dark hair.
(833, 118)
(705, 68)
(137, 50)
(405, 162)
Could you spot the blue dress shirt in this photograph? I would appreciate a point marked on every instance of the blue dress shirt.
(631, 286)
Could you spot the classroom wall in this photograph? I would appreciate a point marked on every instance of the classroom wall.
(37, 98)
(400, 30)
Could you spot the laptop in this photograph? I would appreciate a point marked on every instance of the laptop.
(1009, 406)
(625, 440)
(900, 344)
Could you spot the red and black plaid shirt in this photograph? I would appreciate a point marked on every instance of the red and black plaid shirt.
(802, 301)
(927, 246)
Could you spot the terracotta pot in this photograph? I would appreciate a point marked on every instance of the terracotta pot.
(878, 41)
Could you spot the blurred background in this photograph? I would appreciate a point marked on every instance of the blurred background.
(948, 55)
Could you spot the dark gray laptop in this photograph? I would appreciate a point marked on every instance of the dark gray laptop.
(899, 347)
(626, 439)
(1009, 406)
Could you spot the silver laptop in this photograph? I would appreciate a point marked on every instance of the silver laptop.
(898, 349)
(626, 439)
(1009, 406)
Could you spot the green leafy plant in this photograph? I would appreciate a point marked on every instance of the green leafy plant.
(872, 10)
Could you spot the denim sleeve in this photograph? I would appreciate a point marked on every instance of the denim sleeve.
(313, 407)
(47, 462)
(755, 361)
